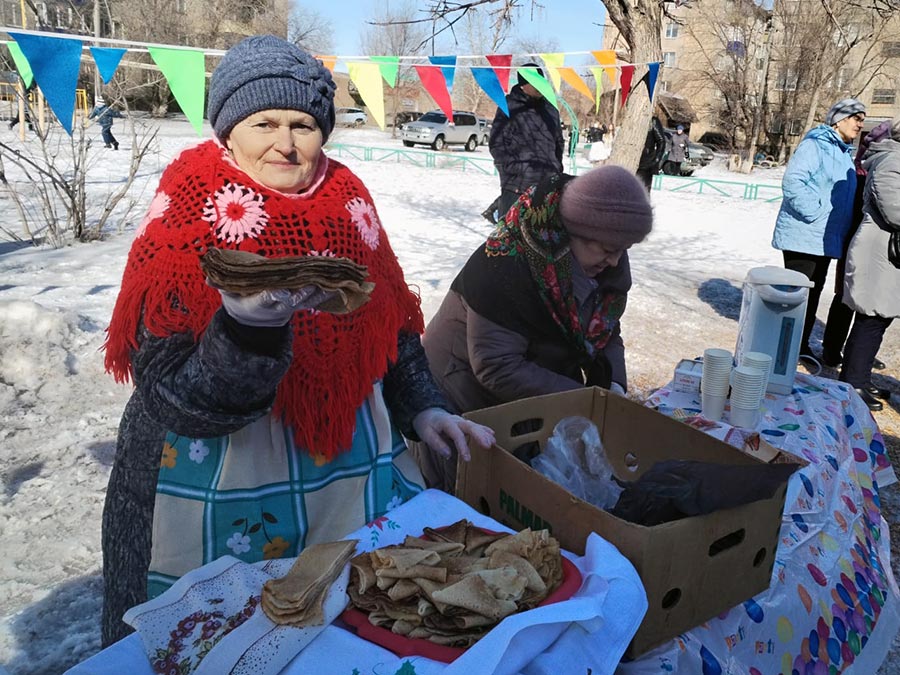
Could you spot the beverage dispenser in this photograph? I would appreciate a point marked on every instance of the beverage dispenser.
(771, 321)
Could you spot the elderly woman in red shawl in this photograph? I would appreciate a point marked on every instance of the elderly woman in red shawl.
(259, 425)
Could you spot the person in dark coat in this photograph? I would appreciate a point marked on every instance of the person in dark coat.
(528, 144)
(537, 308)
(678, 150)
(653, 153)
(872, 275)
(840, 316)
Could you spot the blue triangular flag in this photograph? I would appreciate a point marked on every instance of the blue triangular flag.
(487, 79)
(107, 60)
(651, 78)
(448, 72)
(55, 63)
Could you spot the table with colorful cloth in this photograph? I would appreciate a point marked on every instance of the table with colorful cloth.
(833, 605)
(587, 633)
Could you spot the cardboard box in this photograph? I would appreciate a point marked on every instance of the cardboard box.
(687, 378)
(692, 569)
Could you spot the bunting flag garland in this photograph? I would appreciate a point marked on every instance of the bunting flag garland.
(625, 82)
(553, 62)
(433, 80)
(328, 61)
(21, 62)
(185, 71)
(390, 68)
(367, 78)
(597, 72)
(449, 72)
(55, 63)
(541, 84)
(652, 73)
(501, 64)
(606, 58)
(107, 60)
(487, 79)
(573, 80)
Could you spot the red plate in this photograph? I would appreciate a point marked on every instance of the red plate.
(405, 646)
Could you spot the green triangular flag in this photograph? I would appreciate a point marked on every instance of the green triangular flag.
(185, 71)
(541, 84)
(21, 62)
(389, 67)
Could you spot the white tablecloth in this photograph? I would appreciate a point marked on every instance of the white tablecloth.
(590, 631)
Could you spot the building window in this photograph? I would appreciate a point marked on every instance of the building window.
(664, 85)
(842, 79)
(672, 29)
(890, 49)
(884, 96)
(760, 63)
(796, 127)
(669, 59)
(179, 6)
(787, 80)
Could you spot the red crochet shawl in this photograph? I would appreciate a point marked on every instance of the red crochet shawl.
(205, 200)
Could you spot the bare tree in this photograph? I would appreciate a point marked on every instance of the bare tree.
(394, 31)
(310, 30)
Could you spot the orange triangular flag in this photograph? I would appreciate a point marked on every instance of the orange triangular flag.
(607, 57)
(574, 81)
(328, 61)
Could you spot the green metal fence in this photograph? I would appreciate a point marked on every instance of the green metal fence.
(465, 161)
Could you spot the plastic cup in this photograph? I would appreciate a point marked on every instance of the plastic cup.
(760, 361)
(713, 406)
(746, 418)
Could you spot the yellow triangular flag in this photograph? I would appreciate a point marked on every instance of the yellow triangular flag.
(572, 79)
(367, 78)
(554, 62)
(607, 57)
(597, 71)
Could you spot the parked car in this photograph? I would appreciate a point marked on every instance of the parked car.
(350, 116)
(434, 129)
(698, 156)
(716, 140)
(485, 125)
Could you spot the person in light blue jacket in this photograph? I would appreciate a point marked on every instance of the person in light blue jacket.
(819, 185)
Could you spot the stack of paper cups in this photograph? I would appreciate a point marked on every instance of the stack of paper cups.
(747, 387)
(715, 381)
(760, 361)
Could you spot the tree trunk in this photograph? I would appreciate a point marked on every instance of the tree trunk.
(640, 24)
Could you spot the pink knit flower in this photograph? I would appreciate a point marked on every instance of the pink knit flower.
(366, 220)
(236, 212)
(157, 208)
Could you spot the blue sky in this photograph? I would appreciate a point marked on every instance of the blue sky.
(570, 22)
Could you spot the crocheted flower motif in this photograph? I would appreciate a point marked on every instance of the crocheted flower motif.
(366, 220)
(157, 208)
(236, 212)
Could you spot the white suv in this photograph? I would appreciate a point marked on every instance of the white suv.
(350, 116)
(435, 130)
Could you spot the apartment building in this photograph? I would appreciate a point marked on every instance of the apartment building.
(742, 68)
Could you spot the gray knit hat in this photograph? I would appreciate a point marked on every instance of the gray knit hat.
(843, 109)
(608, 204)
(265, 72)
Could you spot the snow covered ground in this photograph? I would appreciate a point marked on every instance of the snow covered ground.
(60, 410)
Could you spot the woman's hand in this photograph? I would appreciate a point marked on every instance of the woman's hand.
(436, 426)
(274, 308)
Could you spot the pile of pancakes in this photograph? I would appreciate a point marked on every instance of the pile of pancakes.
(297, 599)
(247, 273)
(452, 585)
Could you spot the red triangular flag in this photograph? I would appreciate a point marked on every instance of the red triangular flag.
(625, 77)
(436, 86)
(501, 63)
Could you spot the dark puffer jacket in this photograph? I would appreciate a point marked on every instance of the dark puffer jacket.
(527, 145)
